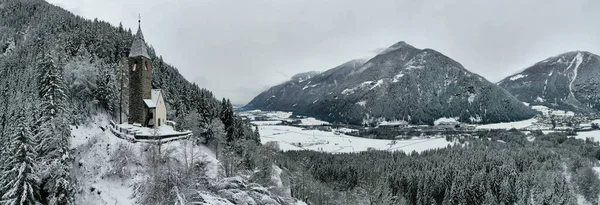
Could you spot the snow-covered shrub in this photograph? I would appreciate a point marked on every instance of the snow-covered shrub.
(120, 161)
(91, 142)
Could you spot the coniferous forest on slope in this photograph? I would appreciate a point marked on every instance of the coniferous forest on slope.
(500, 167)
(59, 70)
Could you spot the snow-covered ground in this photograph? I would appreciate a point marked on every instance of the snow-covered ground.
(548, 111)
(295, 138)
(595, 135)
(312, 121)
(93, 148)
(258, 123)
(509, 125)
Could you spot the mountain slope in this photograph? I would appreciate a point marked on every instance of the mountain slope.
(89, 57)
(568, 81)
(402, 83)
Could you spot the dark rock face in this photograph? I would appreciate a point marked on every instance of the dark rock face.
(569, 81)
(402, 83)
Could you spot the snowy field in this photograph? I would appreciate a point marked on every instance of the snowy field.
(595, 135)
(294, 138)
(509, 125)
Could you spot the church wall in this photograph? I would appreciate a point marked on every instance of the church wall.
(161, 111)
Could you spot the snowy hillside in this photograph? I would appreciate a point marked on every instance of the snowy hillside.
(95, 151)
(403, 83)
(568, 81)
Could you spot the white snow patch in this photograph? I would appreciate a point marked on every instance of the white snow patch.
(476, 119)
(410, 67)
(379, 82)
(258, 123)
(518, 76)
(362, 103)
(83, 133)
(210, 199)
(397, 77)
(509, 125)
(393, 123)
(308, 85)
(446, 120)
(577, 60)
(276, 115)
(312, 121)
(294, 138)
(362, 85)
(595, 135)
(539, 99)
(472, 97)
(547, 111)
(345, 130)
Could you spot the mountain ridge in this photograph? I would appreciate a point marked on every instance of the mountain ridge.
(565, 81)
(401, 83)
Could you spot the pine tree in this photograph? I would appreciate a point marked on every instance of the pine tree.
(51, 88)
(490, 199)
(54, 136)
(20, 180)
(228, 119)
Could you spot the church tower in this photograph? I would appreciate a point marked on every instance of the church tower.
(140, 79)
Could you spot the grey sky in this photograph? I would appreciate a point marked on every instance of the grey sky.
(238, 48)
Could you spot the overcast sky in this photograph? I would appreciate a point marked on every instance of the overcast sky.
(239, 48)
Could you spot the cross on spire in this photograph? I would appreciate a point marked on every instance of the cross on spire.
(139, 19)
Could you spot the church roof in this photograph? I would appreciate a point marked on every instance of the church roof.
(153, 101)
(138, 47)
(150, 103)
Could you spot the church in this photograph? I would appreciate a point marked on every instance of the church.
(146, 105)
(147, 118)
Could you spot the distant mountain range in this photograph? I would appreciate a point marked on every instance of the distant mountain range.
(570, 81)
(403, 83)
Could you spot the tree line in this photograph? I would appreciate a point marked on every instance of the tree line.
(497, 167)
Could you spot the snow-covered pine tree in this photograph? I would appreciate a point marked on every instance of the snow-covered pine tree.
(51, 89)
(228, 119)
(53, 135)
(19, 182)
(106, 85)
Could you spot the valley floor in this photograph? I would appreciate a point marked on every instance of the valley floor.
(296, 138)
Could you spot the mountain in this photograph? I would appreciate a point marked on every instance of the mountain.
(569, 81)
(403, 83)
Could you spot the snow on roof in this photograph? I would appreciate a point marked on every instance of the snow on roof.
(150, 103)
(138, 47)
(153, 101)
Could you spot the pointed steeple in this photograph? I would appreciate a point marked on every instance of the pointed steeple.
(138, 47)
